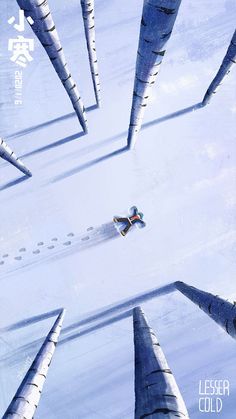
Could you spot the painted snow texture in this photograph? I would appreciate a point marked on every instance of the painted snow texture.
(221, 311)
(57, 248)
(156, 392)
(182, 175)
(89, 29)
(158, 18)
(224, 70)
(7, 154)
(27, 397)
(45, 30)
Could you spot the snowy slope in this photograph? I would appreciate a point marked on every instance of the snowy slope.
(181, 176)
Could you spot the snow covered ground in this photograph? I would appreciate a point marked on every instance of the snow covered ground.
(181, 176)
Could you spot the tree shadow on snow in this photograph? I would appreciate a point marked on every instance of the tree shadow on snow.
(57, 143)
(13, 183)
(113, 313)
(48, 123)
(97, 320)
(116, 137)
(31, 320)
(172, 115)
(89, 164)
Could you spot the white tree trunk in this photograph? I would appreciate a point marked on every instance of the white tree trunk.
(224, 70)
(157, 23)
(26, 399)
(45, 30)
(220, 310)
(7, 154)
(89, 28)
(156, 393)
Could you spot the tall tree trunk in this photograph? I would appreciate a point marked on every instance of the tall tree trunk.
(89, 28)
(220, 310)
(228, 61)
(7, 154)
(156, 392)
(26, 399)
(157, 23)
(45, 30)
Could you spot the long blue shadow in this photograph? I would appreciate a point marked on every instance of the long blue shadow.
(13, 183)
(81, 152)
(48, 123)
(172, 115)
(121, 306)
(31, 320)
(165, 118)
(104, 142)
(102, 318)
(120, 136)
(96, 327)
(160, 120)
(53, 145)
(87, 165)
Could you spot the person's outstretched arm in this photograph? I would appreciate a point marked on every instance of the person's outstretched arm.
(142, 223)
(133, 211)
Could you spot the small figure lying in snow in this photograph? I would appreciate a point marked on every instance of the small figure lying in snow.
(135, 218)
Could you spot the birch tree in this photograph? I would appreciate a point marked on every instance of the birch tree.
(44, 28)
(26, 399)
(7, 154)
(89, 28)
(156, 392)
(158, 18)
(220, 310)
(224, 70)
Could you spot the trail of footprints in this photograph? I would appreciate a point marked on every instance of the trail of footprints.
(41, 245)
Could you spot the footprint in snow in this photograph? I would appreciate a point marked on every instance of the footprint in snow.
(23, 249)
(70, 235)
(90, 228)
(36, 252)
(18, 258)
(5, 256)
(85, 238)
(51, 247)
(67, 243)
(40, 243)
(2, 262)
(54, 239)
